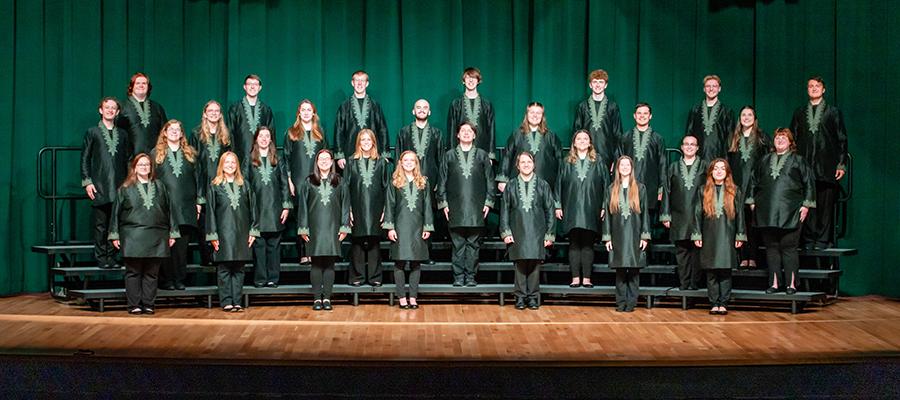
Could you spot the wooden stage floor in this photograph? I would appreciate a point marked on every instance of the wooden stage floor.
(852, 329)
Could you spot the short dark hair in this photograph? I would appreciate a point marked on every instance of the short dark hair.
(643, 104)
(253, 76)
(817, 78)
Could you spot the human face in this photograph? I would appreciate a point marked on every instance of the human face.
(306, 113)
(719, 172)
(252, 87)
(748, 117)
(174, 133)
(535, 115)
(408, 163)
(624, 167)
(360, 83)
(782, 143)
(140, 86)
(230, 164)
(815, 89)
(470, 82)
(324, 162)
(712, 88)
(264, 139)
(212, 113)
(642, 116)
(582, 141)
(421, 110)
(142, 168)
(466, 134)
(689, 146)
(525, 165)
(366, 142)
(597, 86)
(109, 110)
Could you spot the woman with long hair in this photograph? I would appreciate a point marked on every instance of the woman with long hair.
(409, 221)
(210, 139)
(231, 228)
(748, 146)
(177, 166)
(269, 183)
(719, 231)
(782, 191)
(580, 186)
(144, 229)
(301, 143)
(368, 180)
(528, 227)
(626, 232)
(323, 219)
(535, 137)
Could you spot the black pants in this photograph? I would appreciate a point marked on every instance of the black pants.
(781, 253)
(750, 249)
(231, 282)
(718, 286)
(365, 257)
(528, 279)
(267, 258)
(627, 285)
(104, 251)
(141, 276)
(581, 252)
(818, 229)
(415, 273)
(688, 257)
(174, 268)
(321, 275)
(466, 245)
(206, 249)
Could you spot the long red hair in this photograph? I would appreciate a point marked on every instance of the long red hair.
(709, 191)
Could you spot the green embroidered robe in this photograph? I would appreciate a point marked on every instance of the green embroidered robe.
(242, 132)
(650, 164)
(143, 226)
(465, 186)
(824, 146)
(605, 132)
(140, 138)
(208, 154)
(546, 159)
(430, 155)
(300, 156)
(231, 220)
(527, 214)
(323, 213)
(98, 167)
(744, 160)
(580, 189)
(408, 211)
(778, 198)
(484, 122)
(347, 127)
(368, 182)
(271, 192)
(181, 182)
(625, 229)
(719, 233)
(680, 195)
(713, 144)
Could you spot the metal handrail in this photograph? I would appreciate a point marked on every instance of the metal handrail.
(53, 150)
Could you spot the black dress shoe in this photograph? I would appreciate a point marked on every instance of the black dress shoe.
(458, 283)
(723, 311)
(317, 305)
(471, 283)
(376, 284)
(356, 284)
(587, 285)
(135, 311)
(404, 306)
(533, 304)
(574, 285)
(272, 285)
(179, 286)
(149, 311)
(520, 304)
(629, 309)
(771, 290)
(790, 290)
(620, 308)
(326, 305)
(414, 306)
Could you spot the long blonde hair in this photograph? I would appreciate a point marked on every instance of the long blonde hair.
(222, 134)
(709, 191)
(296, 131)
(162, 147)
(399, 180)
(358, 152)
(220, 174)
(573, 152)
(542, 127)
(634, 195)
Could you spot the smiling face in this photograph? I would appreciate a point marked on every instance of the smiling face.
(642, 116)
(142, 168)
(212, 113)
(141, 85)
(582, 141)
(306, 113)
(421, 110)
(366, 142)
(466, 134)
(324, 162)
(815, 89)
(252, 87)
(782, 143)
(409, 162)
(598, 86)
(109, 110)
(748, 117)
(535, 115)
(470, 82)
(174, 133)
(360, 82)
(712, 88)
(689, 146)
(525, 164)
(624, 167)
(719, 171)
(263, 139)
(229, 164)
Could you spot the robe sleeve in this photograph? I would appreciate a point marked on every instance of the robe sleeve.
(505, 204)
(284, 173)
(389, 202)
(556, 150)
(490, 130)
(428, 214)
(441, 192)
(442, 148)
(162, 116)
(663, 167)
(270, 120)
(841, 132)
(615, 116)
(645, 215)
(199, 176)
(689, 128)
(288, 151)
(212, 231)
(697, 233)
(381, 130)
(581, 118)
(665, 208)
(114, 216)
(345, 208)
(254, 213)
(549, 203)
(86, 156)
(563, 177)
(452, 119)
(489, 182)
(302, 207)
(166, 206)
(340, 122)
(796, 122)
(809, 182)
(507, 165)
(605, 232)
(401, 143)
(740, 224)
(728, 120)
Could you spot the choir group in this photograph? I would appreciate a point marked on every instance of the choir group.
(153, 188)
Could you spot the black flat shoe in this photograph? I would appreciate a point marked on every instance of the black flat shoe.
(326, 305)
(458, 283)
(135, 311)
(414, 306)
(574, 285)
(149, 311)
(471, 283)
(723, 312)
(790, 290)
(771, 290)
(272, 285)
(520, 305)
(356, 284)
(376, 284)
(587, 285)
(317, 305)
(404, 306)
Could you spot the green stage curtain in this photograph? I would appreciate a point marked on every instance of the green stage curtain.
(59, 57)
